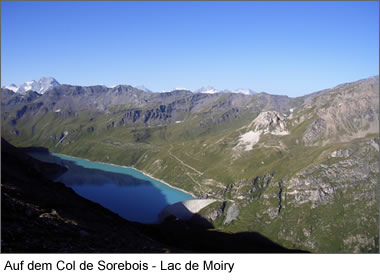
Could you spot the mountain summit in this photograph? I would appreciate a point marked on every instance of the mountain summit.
(12, 87)
(208, 89)
(212, 90)
(246, 91)
(43, 85)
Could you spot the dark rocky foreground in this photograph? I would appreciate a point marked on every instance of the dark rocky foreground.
(39, 215)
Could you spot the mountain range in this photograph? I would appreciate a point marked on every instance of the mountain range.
(43, 85)
(212, 90)
(301, 171)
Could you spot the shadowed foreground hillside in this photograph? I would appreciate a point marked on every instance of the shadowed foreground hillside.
(39, 215)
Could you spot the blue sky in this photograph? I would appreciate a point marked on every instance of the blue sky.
(290, 48)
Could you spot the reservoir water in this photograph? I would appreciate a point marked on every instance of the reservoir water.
(122, 190)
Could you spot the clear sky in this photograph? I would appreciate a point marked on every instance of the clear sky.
(290, 48)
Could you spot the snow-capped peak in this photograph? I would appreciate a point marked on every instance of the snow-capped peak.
(46, 83)
(12, 87)
(212, 90)
(31, 85)
(43, 85)
(208, 89)
(246, 91)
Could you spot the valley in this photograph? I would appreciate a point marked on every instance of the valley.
(303, 171)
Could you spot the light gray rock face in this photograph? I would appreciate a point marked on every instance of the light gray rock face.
(340, 194)
(374, 144)
(216, 213)
(269, 122)
(232, 214)
(315, 132)
(343, 113)
(246, 191)
(321, 184)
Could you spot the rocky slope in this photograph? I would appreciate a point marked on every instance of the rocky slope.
(344, 113)
(338, 194)
(11, 100)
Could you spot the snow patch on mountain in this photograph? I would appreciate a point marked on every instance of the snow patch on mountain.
(212, 90)
(246, 91)
(12, 87)
(208, 90)
(31, 85)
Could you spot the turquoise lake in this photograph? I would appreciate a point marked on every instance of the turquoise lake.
(122, 190)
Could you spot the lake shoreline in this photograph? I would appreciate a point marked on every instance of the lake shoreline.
(142, 172)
